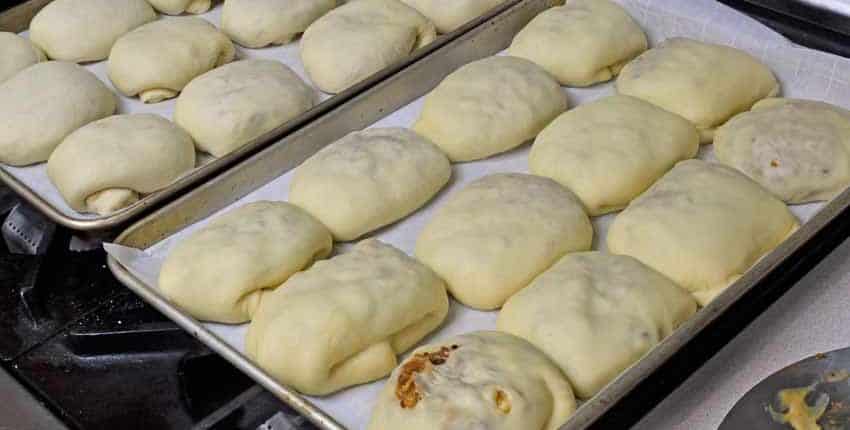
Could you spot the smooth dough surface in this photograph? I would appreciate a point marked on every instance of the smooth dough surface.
(343, 321)
(480, 380)
(369, 179)
(258, 23)
(705, 83)
(141, 153)
(45, 102)
(220, 272)
(176, 7)
(582, 43)
(797, 149)
(18, 54)
(611, 150)
(448, 15)
(231, 105)
(490, 239)
(595, 315)
(360, 38)
(85, 30)
(702, 225)
(490, 106)
(156, 60)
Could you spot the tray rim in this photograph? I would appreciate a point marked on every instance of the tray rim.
(218, 166)
(592, 409)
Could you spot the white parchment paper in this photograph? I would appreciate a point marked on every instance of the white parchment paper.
(803, 73)
(35, 176)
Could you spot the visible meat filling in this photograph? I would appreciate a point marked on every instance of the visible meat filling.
(406, 391)
(503, 403)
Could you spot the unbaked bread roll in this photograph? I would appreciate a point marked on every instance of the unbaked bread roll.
(126, 154)
(258, 23)
(490, 239)
(582, 43)
(479, 380)
(369, 179)
(156, 60)
(797, 149)
(176, 7)
(703, 225)
(360, 38)
(85, 30)
(220, 272)
(18, 54)
(343, 321)
(595, 315)
(490, 106)
(231, 105)
(705, 83)
(611, 150)
(449, 15)
(45, 102)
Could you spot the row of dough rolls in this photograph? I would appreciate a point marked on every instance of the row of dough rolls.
(571, 319)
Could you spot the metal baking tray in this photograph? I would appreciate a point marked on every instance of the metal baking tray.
(364, 109)
(17, 19)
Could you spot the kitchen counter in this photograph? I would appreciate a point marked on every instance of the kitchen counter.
(813, 316)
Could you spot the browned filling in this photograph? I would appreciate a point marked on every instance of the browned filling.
(406, 391)
(503, 404)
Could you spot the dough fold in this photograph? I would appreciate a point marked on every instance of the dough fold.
(705, 83)
(582, 43)
(611, 150)
(703, 225)
(797, 149)
(156, 60)
(595, 315)
(176, 7)
(125, 154)
(85, 30)
(369, 179)
(234, 104)
(490, 106)
(45, 102)
(451, 14)
(18, 54)
(343, 321)
(480, 380)
(259, 23)
(359, 39)
(490, 239)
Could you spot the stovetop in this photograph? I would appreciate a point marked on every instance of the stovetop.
(97, 357)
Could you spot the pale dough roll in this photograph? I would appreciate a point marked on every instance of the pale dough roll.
(595, 315)
(360, 38)
(490, 239)
(156, 60)
(138, 154)
(611, 150)
(231, 105)
(45, 102)
(220, 272)
(258, 23)
(480, 380)
(176, 7)
(797, 149)
(703, 225)
(582, 43)
(18, 54)
(448, 15)
(705, 83)
(85, 30)
(343, 321)
(369, 179)
(490, 106)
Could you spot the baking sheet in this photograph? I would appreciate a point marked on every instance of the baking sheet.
(35, 176)
(802, 72)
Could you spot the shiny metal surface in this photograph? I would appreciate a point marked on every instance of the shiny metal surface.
(827, 376)
(17, 19)
(487, 39)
